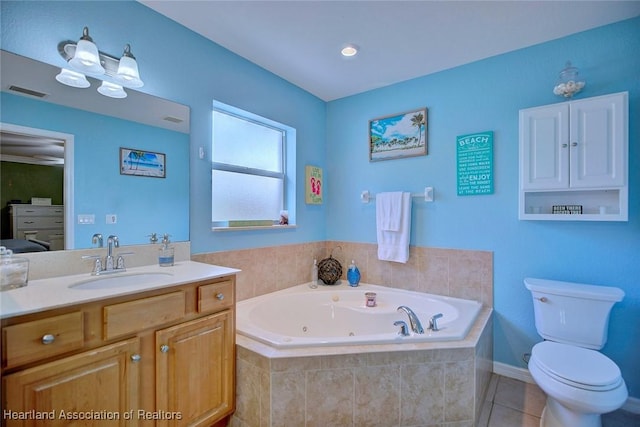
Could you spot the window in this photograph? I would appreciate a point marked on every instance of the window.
(249, 173)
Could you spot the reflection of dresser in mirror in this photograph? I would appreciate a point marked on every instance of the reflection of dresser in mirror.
(40, 223)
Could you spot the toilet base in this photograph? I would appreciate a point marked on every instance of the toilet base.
(556, 415)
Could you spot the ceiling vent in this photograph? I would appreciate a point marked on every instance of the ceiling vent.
(173, 119)
(26, 91)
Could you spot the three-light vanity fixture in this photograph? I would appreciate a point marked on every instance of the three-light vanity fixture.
(84, 59)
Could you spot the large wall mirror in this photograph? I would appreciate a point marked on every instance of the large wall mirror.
(65, 146)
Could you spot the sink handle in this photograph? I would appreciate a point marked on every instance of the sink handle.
(120, 260)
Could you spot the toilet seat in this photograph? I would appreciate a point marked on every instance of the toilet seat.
(576, 366)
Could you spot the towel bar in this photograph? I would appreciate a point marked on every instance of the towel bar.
(428, 196)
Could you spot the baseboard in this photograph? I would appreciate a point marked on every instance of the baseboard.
(514, 372)
(631, 405)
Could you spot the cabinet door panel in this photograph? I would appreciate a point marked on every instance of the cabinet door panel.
(543, 147)
(597, 142)
(100, 384)
(195, 371)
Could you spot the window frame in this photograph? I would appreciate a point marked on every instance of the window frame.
(288, 169)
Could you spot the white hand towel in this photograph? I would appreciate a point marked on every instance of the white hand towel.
(389, 210)
(393, 245)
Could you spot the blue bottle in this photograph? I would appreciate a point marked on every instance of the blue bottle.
(353, 274)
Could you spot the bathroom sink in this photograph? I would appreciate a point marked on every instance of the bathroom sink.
(120, 280)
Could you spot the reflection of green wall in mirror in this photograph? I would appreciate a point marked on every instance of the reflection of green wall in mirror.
(21, 181)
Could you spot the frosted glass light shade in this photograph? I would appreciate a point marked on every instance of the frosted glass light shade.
(112, 90)
(86, 58)
(72, 78)
(128, 74)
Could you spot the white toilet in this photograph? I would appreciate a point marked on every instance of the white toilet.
(580, 383)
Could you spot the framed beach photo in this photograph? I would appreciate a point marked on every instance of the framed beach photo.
(398, 136)
(142, 163)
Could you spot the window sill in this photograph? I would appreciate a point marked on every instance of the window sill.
(255, 227)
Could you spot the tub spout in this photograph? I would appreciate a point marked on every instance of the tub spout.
(416, 326)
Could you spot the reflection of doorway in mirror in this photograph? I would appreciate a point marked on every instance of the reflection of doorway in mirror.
(21, 144)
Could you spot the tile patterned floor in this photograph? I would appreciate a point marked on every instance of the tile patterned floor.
(513, 403)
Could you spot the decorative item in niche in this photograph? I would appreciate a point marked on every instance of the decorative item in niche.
(474, 156)
(398, 136)
(313, 185)
(142, 163)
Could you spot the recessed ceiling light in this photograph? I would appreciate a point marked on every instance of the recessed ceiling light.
(349, 50)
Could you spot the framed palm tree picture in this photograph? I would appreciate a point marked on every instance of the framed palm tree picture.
(142, 163)
(398, 136)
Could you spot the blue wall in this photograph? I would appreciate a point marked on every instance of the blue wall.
(484, 95)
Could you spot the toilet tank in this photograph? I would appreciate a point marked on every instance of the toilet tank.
(572, 313)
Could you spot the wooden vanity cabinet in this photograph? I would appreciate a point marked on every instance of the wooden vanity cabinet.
(157, 358)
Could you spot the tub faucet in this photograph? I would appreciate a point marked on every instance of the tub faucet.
(433, 323)
(416, 326)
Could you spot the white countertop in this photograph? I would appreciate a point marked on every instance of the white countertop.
(47, 294)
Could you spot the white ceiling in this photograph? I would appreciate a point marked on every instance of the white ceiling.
(300, 40)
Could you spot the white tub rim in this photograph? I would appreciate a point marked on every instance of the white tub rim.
(269, 351)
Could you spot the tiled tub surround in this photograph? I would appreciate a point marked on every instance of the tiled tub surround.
(450, 272)
(428, 384)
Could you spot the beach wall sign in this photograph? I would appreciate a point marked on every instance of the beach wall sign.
(474, 156)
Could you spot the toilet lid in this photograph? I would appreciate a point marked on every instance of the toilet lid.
(576, 366)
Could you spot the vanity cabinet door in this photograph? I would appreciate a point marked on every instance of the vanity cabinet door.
(195, 370)
(94, 388)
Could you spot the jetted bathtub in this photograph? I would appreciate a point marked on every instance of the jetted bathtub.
(338, 315)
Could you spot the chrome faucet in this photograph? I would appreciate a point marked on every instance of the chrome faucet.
(109, 265)
(112, 241)
(416, 326)
(433, 322)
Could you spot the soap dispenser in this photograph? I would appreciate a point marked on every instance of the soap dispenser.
(353, 274)
(165, 257)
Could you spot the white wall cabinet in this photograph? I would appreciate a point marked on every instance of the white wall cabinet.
(575, 153)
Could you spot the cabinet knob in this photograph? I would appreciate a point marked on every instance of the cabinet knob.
(542, 299)
(164, 348)
(565, 145)
(574, 144)
(135, 358)
(48, 339)
(220, 296)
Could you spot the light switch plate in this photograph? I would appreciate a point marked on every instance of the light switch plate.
(86, 219)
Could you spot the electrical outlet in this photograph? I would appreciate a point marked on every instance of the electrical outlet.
(112, 218)
(86, 219)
